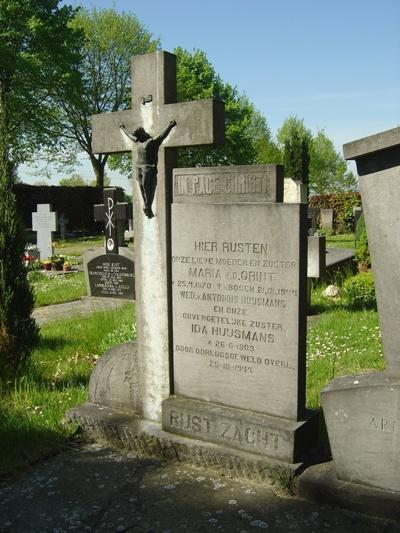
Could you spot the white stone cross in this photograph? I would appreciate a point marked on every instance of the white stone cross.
(44, 222)
(198, 123)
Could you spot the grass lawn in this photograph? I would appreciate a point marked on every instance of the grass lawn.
(76, 247)
(32, 408)
(57, 289)
(340, 241)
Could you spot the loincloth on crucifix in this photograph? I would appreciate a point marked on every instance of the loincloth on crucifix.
(147, 178)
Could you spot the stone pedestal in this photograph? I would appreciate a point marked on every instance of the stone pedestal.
(316, 257)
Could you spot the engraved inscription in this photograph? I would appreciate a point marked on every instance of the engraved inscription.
(111, 278)
(382, 424)
(232, 432)
(206, 184)
(235, 288)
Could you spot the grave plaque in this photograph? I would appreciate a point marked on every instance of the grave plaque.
(239, 297)
(326, 218)
(44, 221)
(111, 275)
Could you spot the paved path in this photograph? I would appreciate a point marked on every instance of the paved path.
(101, 490)
(84, 306)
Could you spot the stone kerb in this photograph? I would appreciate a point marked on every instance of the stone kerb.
(362, 412)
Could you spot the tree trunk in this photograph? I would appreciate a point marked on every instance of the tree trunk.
(99, 164)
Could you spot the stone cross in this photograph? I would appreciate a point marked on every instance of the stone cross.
(198, 123)
(112, 212)
(44, 222)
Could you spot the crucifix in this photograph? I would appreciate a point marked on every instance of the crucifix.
(112, 212)
(198, 123)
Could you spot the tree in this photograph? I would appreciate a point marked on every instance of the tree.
(75, 180)
(295, 140)
(248, 139)
(36, 47)
(104, 85)
(328, 169)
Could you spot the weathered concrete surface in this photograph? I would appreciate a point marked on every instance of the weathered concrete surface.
(98, 489)
(362, 415)
(372, 143)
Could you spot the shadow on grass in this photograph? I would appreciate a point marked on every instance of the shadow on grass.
(51, 343)
(23, 442)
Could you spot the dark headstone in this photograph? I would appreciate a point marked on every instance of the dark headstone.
(110, 275)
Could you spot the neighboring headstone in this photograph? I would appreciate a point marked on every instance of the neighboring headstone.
(357, 212)
(239, 312)
(63, 221)
(129, 233)
(316, 261)
(295, 191)
(110, 274)
(312, 215)
(44, 222)
(326, 217)
(362, 412)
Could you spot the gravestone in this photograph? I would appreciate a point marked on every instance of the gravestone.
(326, 217)
(363, 412)
(44, 222)
(312, 214)
(239, 312)
(316, 257)
(111, 274)
(62, 221)
(294, 191)
(357, 212)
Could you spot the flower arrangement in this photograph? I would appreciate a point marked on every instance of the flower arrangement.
(57, 261)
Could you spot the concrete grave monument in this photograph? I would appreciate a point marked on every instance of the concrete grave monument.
(363, 412)
(200, 122)
(312, 214)
(239, 312)
(295, 191)
(44, 222)
(357, 212)
(326, 218)
(316, 257)
(229, 236)
(111, 274)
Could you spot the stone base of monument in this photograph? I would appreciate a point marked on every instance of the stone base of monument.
(362, 416)
(320, 483)
(126, 430)
(257, 447)
(276, 438)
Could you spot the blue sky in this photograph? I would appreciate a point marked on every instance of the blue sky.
(336, 63)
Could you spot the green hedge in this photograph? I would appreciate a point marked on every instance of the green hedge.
(75, 202)
(342, 205)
